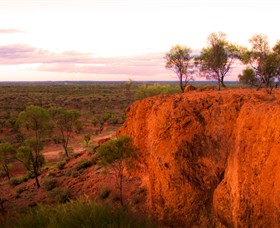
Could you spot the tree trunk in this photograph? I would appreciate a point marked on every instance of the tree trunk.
(6, 170)
(66, 151)
(219, 84)
(121, 188)
(35, 170)
(36, 178)
(222, 82)
(181, 83)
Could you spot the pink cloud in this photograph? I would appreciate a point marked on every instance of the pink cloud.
(25, 54)
(3, 31)
(146, 65)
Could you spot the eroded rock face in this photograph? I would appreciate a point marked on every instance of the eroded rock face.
(210, 158)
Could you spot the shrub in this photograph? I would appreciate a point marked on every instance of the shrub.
(83, 164)
(76, 155)
(61, 164)
(57, 139)
(18, 180)
(51, 174)
(144, 91)
(60, 195)
(21, 189)
(49, 182)
(105, 192)
(78, 214)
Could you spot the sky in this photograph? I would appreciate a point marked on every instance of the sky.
(99, 40)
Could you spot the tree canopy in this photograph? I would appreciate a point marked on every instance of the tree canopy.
(66, 121)
(178, 60)
(118, 153)
(216, 60)
(34, 122)
(7, 152)
(265, 61)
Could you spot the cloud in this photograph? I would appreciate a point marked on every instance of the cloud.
(143, 65)
(7, 31)
(25, 54)
(147, 65)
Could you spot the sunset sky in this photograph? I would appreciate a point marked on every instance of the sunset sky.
(116, 40)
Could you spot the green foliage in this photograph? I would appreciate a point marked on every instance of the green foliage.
(248, 76)
(19, 191)
(144, 91)
(178, 60)
(61, 164)
(78, 214)
(129, 85)
(87, 139)
(60, 195)
(35, 121)
(83, 164)
(117, 150)
(66, 121)
(18, 180)
(31, 163)
(118, 153)
(7, 152)
(57, 139)
(216, 59)
(264, 61)
(49, 182)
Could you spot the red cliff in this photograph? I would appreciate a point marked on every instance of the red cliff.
(210, 158)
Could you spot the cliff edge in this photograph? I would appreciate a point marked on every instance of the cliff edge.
(210, 159)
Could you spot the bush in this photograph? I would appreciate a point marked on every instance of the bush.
(18, 180)
(78, 214)
(49, 182)
(60, 165)
(60, 195)
(57, 139)
(19, 191)
(105, 192)
(83, 164)
(144, 91)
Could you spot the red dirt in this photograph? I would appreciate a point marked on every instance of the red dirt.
(210, 158)
(85, 183)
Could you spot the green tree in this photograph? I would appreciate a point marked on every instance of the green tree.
(216, 59)
(276, 50)
(248, 76)
(129, 85)
(66, 121)
(263, 60)
(34, 122)
(87, 139)
(178, 60)
(118, 153)
(7, 152)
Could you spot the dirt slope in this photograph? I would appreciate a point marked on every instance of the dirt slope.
(210, 158)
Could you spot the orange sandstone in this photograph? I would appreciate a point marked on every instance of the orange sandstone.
(210, 158)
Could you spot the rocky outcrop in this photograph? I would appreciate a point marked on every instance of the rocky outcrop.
(210, 158)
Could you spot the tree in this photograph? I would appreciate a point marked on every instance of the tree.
(216, 59)
(87, 139)
(34, 121)
(118, 153)
(263, 60)
(66, 121)
(248, 76)
(178, 59)
(276, 50)
(31, 161)
(6, 154)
